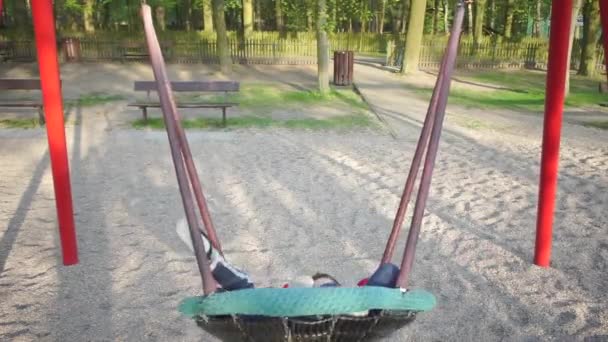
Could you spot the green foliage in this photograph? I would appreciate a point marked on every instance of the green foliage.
(123, 15)
(73, 6)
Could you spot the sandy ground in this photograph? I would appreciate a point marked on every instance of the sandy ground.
(290, 203)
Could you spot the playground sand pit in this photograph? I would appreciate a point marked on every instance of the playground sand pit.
(289, 203)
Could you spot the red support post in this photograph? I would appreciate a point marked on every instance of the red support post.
(561, 19)
(46, 49)
(604, 17)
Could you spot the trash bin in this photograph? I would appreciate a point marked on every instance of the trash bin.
(343, 67)
(71, 49)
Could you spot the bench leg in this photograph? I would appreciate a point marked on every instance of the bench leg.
(223, 116)
(41, 116)
(144, 112)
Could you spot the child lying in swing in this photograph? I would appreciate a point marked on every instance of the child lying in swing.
(231, 278)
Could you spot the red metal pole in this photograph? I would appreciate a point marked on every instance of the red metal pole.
(561, 19)
(46, 49)
(604, 17)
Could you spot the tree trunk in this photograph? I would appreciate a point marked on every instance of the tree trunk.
(446, 14)
(160, 18)
(322, 49)
(381, 15)
(413, 40)
(87, 16)
(404, 14)
(257, 16)
(188, 14)
(469, 18)
(396, 19)
(247, 18)
(309, 17)
(575, 11)
(480, 11)
(222, 37)
(492, 14)
(20, 16)
(207, 16)
(591, 31)
(278, 13)
(435, 17)
(106, 16)
(509, 13)
(538, 18)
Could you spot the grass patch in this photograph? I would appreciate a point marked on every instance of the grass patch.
(263, 97)
(597, 124)
(471, 123)
(520, 90)
(338, 122)
(19, 123)
(94, 99)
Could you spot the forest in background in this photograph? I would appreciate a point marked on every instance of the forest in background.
(507, 18)
(371, 26)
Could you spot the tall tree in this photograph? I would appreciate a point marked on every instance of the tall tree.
(436, 12)
(278, 14)
(187, 14)
(446, 11)
(538, 18)
(247, 18)
(405, 7)
(591, 32)
(87, 15)
(322, 48)
(509, 14)
(413, 39)
(160, 17)
(223, 51)
(480, 11)
(575, 11)
(395, 18)
(469, 10)
(381, 15)
(309, 17)
(492, 14)
(257, 16)
(207, 16)
(21, 15)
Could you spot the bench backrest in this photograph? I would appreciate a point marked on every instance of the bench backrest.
(183, 86)
(20, 84)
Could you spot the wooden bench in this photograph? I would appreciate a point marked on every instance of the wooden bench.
(22, 84)
(188, 86)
